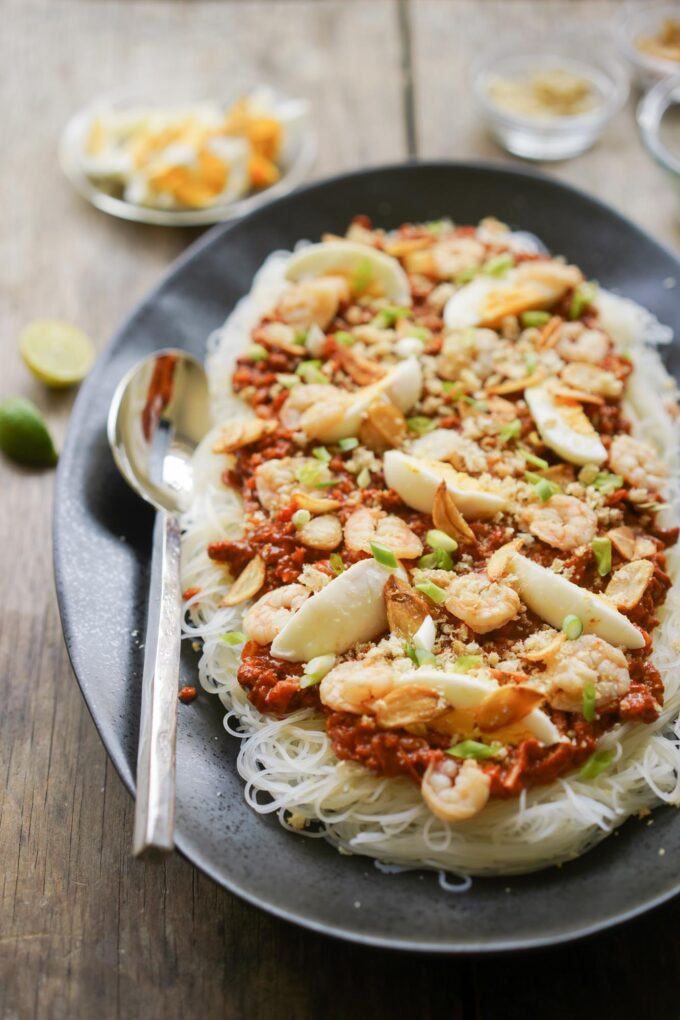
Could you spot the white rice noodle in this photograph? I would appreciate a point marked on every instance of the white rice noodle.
(288, 765)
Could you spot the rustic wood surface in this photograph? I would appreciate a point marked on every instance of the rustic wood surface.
(85, 931)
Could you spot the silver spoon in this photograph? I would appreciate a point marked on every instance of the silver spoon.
(159, 413)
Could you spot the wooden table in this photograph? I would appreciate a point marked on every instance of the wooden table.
(84, 931)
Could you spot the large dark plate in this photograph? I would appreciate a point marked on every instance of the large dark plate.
(103, 535)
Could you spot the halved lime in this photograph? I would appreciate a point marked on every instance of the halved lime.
(24, 435)
(57, 353)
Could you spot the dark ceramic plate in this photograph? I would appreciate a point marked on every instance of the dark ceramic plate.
(102, 538)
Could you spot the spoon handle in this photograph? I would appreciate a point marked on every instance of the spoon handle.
(155, 805)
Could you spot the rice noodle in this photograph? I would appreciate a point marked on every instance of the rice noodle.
(288, 764)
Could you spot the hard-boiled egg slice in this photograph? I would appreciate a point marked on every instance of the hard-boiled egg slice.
(417, 479)
(563, 427)
(402, 386)
(552, 597)
(463, 691)
(350, 609)
(349, 258)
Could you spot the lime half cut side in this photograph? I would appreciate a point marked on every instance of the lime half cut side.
(57, 353)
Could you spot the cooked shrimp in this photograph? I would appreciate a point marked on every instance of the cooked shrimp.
(366, 525)
(301, 398)
(587, 660)
(449, 445)
(638, 463)
(323, 532)
(445, 260)
(579, 344)
(563, 522)
(581, 375)
(482, 604)
(313, 302)
(276, 480)
(270, 614)
(455, 792)
(354, 686)
(321, 419)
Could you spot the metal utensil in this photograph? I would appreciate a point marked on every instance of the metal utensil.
(159, 414)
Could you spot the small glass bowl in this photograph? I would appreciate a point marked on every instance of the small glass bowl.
(296, 162)
(660, 132)
(556, 137)
(646, 69)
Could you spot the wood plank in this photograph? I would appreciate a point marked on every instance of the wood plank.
(450, 35)
(85, 931)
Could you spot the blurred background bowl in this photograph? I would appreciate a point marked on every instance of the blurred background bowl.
(646, 21)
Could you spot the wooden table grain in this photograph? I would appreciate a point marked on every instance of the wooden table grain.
(84, 930)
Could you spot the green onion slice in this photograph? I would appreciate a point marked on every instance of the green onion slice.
(474, 749)
(335, 560)
(545, 490)
(321, 453)
(572, 626)
(607, 483)
(440, 540)
(453, 388)
(534, 318)
(311, 372)
(584, 295)
(364, 478)
(311, 473)
(387, 317)
(345, 338)
(300, 518)
(589, 699)
(234, 637)
(425, 657)
(512, 430)
(411, 652)
(466, 275)
(348, 444)
(362, 276)
(287, 380)
(384, 555)
(316, 669)
(256, 352)
(440, 559)
(602, 547)
(499, 265)
(598, 762)
(588, 474)
(531, 458)
(465, 662)
(421, 424)
(433, 591)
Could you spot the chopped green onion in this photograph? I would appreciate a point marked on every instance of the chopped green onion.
(543, 488)
(288, 380)
(421, 424)
(362, 276)
(420, 332)
(534, 318)
(607, 483)
(300, 337)
(348, 444)
(531, 361)
(479, 405)
(499, 265)
(602, 547)
(433, 591)
(424, 657)
(384, 555)
(256, 352)
(326, 484)
(572, 626)
(512, 430)
(300, 518)
(474, 749)
(435, 226)
(531, 458)
(321, 453)
(411, 652)
(584, 295)
(465, 662)
(345, 338)
(387, 317)
(598, 762)
(466, 275)
(364, 478)
(455, 388)
(234, 637)
(589, 699)
(588, 474)
(315, 670)
(440, 559)
(311, 473)
(440, 540)
(311, 372)
(335, 560)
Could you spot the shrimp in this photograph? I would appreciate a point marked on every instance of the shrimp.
(579, 344)
(313, 302)
(276, 480)
(445, 260)
(638, 463)
(322, 419)
(449, 445)
(455, 792)
(353, 686)
(482, 604)
(581, 375)
(366, 525)
(271, 613)
(575, 664)
(301, 398)
(564, 522)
